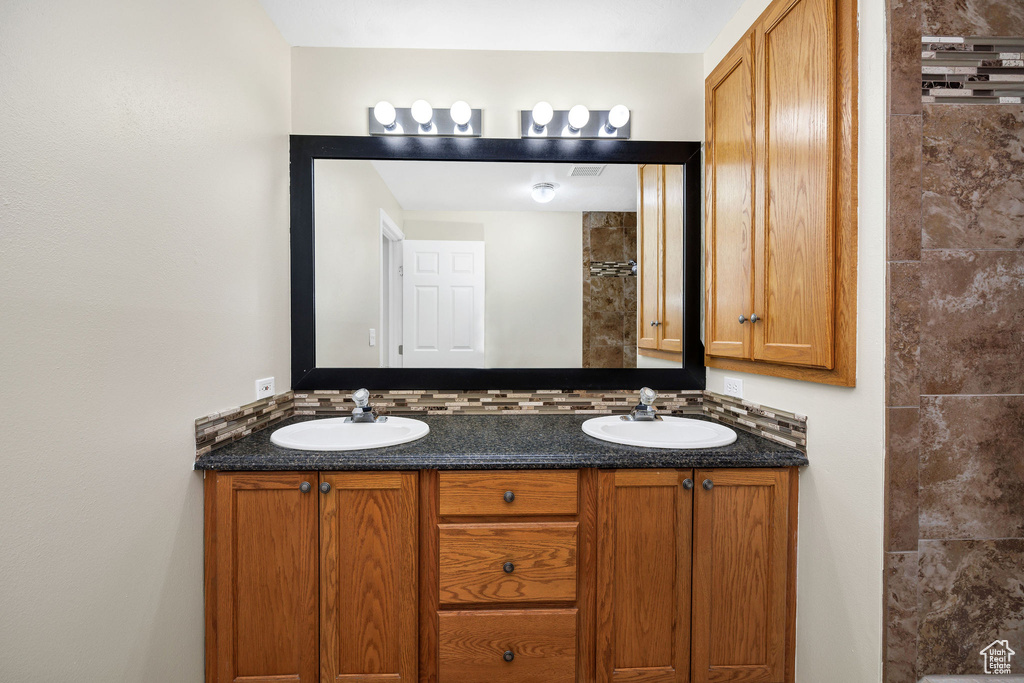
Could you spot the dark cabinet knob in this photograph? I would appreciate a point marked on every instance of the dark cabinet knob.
(508, 656)
(305, 487)
(708, 485)
(508, 567)
(509, 496)
(743, 319)
(687, 484)
(754, 318)
(325, 487)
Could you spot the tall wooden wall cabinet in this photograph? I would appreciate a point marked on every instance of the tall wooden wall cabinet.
(780, 183)
(660, 257)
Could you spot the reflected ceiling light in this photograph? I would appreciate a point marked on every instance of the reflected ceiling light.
(617, 118)
(542, 115)
(385, 114)
(579, 116)
(543, 193)
(422, 113)
(461, 114)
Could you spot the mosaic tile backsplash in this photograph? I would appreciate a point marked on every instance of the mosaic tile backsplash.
(213, 431)
(972, 70)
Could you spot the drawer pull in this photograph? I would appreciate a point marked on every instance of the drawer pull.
(508, 656)
(508, 567)
(509, 496)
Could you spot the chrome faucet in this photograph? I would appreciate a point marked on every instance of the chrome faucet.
(364, 412)
(644, 411)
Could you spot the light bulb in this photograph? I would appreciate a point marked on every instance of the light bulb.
(578, 117)
(543, 193)
(542, 114)
(461, 113)
(617, 117)
(422, 112)
(384, 112)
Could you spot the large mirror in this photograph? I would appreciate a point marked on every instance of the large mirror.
(455, 264)
(436, 268)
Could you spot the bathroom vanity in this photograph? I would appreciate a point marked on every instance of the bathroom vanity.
(501, 548)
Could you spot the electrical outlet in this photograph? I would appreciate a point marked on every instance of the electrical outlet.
(373, 337)
(264, 387)
(734, 387)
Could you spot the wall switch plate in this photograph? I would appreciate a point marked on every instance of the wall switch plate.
(734, 387)
(264, 387)
(373, 337)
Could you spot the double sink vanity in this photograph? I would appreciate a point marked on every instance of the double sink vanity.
(501, 548)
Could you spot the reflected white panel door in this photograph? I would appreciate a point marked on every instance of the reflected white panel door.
(443, 304)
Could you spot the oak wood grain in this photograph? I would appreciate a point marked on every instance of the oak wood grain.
(265, 575)
(643, 575)
(428, 503)
(471, 645)
(649, 227)
(729, 203)
(740, 575)
(472, 559)
(587, 577)
(368, 556)
(544, 492)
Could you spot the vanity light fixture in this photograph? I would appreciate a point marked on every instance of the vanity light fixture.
(461, 120)
(579, 116)
(580, 122)
(543, 193)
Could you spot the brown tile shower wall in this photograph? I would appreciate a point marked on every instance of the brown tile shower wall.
(609, 289)
(955, 358)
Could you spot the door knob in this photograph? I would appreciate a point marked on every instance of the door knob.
(509, 496)
(325, 487)
(305, 487)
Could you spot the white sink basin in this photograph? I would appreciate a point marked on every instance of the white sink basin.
(668, 432)
(336, 434)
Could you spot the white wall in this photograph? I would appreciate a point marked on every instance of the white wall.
(143, 283)
(347, 198)
(839, 585)
(533, 264)
(332, 87)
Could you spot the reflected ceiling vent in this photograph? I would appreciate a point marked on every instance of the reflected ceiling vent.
(589, 171)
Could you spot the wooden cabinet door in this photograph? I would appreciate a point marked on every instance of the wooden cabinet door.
(262, 577)
(648, 256)
(796, 57)
(729, 203)
(643, 576)
(740, 575)
(368, 590)
(670, 314)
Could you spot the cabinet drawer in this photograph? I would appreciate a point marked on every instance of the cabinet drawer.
(486, 493)
(531, 562)
(472, 646)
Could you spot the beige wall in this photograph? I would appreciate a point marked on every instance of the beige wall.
(348, 198)
(143, 282)
(332, 87)
(533, 263)
(839, 614)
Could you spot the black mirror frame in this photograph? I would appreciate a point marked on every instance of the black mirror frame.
(305, 149)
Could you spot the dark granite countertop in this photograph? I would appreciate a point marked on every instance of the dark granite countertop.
(476, 442)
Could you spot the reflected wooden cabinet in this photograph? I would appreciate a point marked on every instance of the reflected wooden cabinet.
(660, 252)
(568, 576)
(780, 182)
